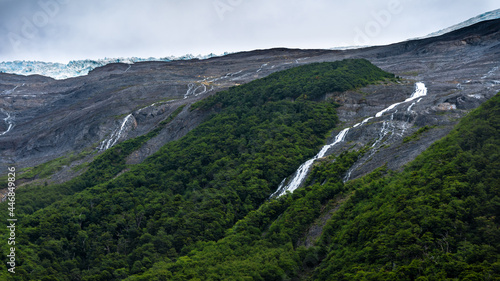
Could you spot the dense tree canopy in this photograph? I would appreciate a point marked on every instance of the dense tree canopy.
(105, 226)
(199, 208)
(436, 220)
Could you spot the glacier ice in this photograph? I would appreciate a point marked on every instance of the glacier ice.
(491, 15)
(78, 67)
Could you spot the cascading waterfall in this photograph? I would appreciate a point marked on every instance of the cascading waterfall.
(280, 188)
(364, 121)
(409, 107)
(190, 90)
(491, 72)
(301, 173)
(115, 136)
(388, 126)
(261, 67)
(202, 84)
(420, 91)
(9, 121)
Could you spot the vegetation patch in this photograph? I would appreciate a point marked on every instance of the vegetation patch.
(417, 134)
(49, 168)
(212, 184)
(172, 116)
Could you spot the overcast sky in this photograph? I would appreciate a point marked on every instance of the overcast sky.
(63, 30)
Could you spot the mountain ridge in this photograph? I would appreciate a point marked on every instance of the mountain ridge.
(171, 80)
(83, 67)
(491, 15)
(173, 160)
(77, 68)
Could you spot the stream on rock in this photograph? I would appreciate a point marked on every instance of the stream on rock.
(8, 120)
(303, 170)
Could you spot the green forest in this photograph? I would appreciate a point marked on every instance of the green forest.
(436, 220)
(199, 208)
(106, 226)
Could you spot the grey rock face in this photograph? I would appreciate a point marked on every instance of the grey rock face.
(50, 118)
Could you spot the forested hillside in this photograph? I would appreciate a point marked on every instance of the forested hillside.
(117, 220)
(436, 220)
(199, 209)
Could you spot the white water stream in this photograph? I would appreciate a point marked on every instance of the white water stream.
(302, 171)
(9, 121)
(115, 136)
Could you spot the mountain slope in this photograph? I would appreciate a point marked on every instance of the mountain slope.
(159, 173)
(50, 119)
(77, 68)
(193, 189)
(436, 220)
(491, 15)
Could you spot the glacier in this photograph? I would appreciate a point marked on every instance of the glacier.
(491, 15)
(77, 68)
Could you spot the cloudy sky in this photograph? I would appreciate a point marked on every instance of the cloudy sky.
(63, 30)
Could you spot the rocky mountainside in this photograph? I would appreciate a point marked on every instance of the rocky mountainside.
(44, 119)
(164, 170)
(77, 68)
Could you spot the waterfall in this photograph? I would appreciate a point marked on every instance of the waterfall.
(302, 171)
(8, 120)
(115, 136)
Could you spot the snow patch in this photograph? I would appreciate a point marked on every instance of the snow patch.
(495, 14)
